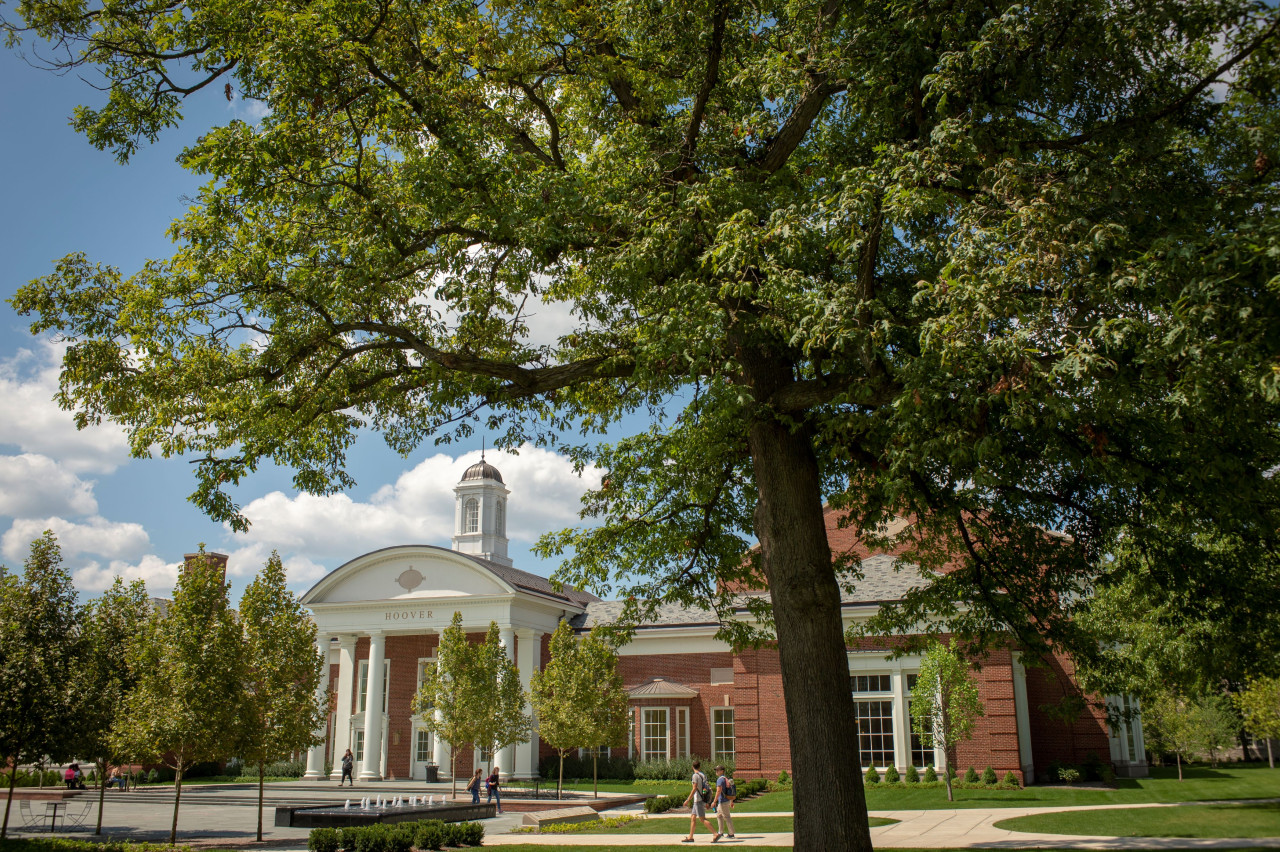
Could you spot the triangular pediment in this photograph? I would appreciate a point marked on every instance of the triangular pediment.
(407, 572)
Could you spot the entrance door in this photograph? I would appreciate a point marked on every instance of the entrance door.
(423, 747)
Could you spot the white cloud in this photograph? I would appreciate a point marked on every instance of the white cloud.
(96, 535)
(31, 420)
(36, 485)
(158, 575)
(300, 572)
(417, 509)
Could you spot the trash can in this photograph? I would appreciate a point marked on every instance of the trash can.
(433, 773)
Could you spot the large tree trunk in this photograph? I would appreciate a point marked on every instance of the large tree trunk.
(13, 780)
(830, 808)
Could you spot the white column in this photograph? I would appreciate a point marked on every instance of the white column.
(342, 714)
(371, 766)
(1022, 715)
(507, 758)
(441, 752)
(530, 654)
(315, 757)
(902, 719)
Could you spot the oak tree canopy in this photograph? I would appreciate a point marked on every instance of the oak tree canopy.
(994, 267)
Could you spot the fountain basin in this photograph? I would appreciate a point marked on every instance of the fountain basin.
(329, 816)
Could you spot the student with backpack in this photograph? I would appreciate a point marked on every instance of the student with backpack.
(699, 797)
(726, 792)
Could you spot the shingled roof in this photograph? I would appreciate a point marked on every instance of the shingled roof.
(532, 582)
(885, 579)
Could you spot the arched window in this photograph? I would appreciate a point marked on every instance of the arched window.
(471, 516)
(499, 519)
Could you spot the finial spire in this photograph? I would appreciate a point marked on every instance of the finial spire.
(481, 448)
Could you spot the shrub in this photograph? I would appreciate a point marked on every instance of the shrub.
(930, 776)
(1010, 780)
(970, 776)
(871, 776)
(1091, 769)
(1069, 774)
(280, 769)
(784, 779)
(751, 788)
(153, 777)
(891, 775)
(989, 776)
(661, 804)
(323, 840)
(913, 774)
(428, 834)
(1108, 774)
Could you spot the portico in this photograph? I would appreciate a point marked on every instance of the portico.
(383, 612)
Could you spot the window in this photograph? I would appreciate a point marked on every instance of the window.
(875, 732)
(653, 733)
(364, 684)
(357, 749)
(871, 683)
(499, 523)
(921, 755)
(722, 733)
(471, 516)
(719, 676)
(601, 753)
(422, 746)
(682, 732)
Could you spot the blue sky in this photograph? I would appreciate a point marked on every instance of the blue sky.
(119, 516)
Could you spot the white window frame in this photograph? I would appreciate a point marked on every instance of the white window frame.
(471, 515)
(500, 518)
(717, 723)
(649, 716)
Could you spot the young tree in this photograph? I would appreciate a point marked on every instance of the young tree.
(578, 698)
(189, 670)
(1259, 704)
(989, 267)
(112, 624)
(40, 650)
(501, 720)
(448, 701)
(944, 704)
(279, 711)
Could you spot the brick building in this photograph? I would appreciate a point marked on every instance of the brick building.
(690, 693)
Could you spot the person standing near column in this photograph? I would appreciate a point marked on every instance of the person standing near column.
(348, 768)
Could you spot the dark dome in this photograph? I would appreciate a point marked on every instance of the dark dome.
(482, 470)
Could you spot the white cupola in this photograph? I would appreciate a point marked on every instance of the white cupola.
(480, 514)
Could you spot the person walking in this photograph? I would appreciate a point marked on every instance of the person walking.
(348, 767)
(726, 793)
(473, 787)
(492, 785)
(699, 795)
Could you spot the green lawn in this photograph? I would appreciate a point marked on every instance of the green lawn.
(741, 825)
(1203, 783)
(1222, 820)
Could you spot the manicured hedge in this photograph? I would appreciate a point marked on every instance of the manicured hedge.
(397, 837)
(745, 789)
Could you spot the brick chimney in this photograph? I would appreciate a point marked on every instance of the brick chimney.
(219, 559)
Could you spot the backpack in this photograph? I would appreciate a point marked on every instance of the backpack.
(730, 789)
(704, 792)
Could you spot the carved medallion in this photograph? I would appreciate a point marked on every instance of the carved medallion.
(410, 579)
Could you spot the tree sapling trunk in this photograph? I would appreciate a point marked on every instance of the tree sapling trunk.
(177, 799)
(262, 771)
(102, 792)
(13, 780)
